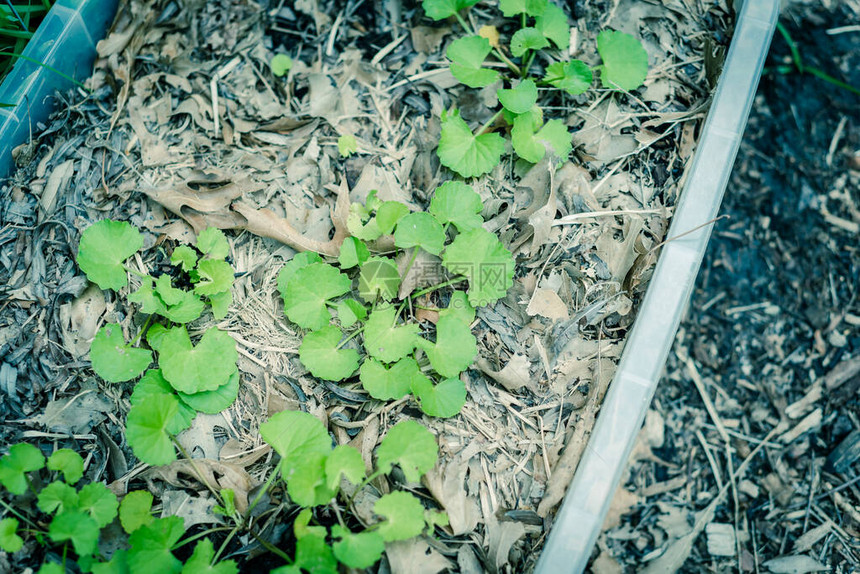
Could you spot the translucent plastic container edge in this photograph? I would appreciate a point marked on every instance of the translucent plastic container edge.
(579, 520)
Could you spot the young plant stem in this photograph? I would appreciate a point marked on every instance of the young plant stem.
(142, 331)
(489, 123)
(12, 510)
(264, 490)
(352, 335)
(454, 281)
(135, 272)
(496, 52)
(273, 549)
(199, 535)
(527, 63)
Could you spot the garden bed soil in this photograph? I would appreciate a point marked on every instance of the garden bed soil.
(186, 118)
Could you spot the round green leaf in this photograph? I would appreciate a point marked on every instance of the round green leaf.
(295, 436)
(57, 497)
(280, 64)
(531, 146)
(552, 23)
(289, 269)
(442, 400)
(521, 98)
(319, 353)
(78, 527)
(22, 458)
(99, 502)
(410, 446)
(135, 510)
(185, 257)
(213, 243)
(147, 429)
(378, 279)
(384, 339)
(151, 546)
(455, 346)
(463, 152)
(104, 246)
(526, 39)
(113, 360)
(69, 463)
(205, 367)
(220, 303)
(349, 311)
(215, 401)
(420, 229)
(511, 8)
(573, 77)
(441, 9)
(388, 214)
(467, 56)
(404, 515)
(344, 461)
(9, 540)
(177, 305)
(357, 550)
(458, 306)
(216, 276)
(308, 291)
(201, 561)
(353, 252)
(481, 257)
(457, 203)
(152, 383)
(388, 384)
(347, 145)
(625, 61)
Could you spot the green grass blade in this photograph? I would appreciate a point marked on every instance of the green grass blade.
(50, 69)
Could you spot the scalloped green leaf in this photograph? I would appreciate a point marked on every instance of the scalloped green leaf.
(353, 252)
(194, 369)
(463, 152)
(357, 549)
(384, 339)
(99, 502)
(344, 461)
(625, 61)
(67, 462)
(213, 243)
(308, 292)
(320, 354)
(104, 247)
(185, 257)
(457, 203)
(220, 303)
(22, 458)
(455, 346)
(441, 9)
(444, 399)
(152, 383)
(295, 436)
(216, 276)
(552, 23)
(135, 510)
(114, 360)
(288, 271)
(520, 98)
(9, 540)
(388, 383)
(467, 55)
(57, 497)
(77, 527)
(388, 214)
(410, 446)
(147, 429)
(511, 8)
(280, 64)
(458, 306)
(420, 229)
(403, 513)
(214, 401)
(531, 145)
(347, 145)
(151, 546)
(201, 559)
(573, 77)
(378, 279)
(481, 257)
(526, 39)
(350, 311)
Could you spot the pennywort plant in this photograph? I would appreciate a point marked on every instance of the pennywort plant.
(313, 473)
(542, 27)
(75, 518)
(191, 377)
(360, 317)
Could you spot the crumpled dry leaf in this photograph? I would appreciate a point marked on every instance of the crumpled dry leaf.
(547, 303)
(446, 482)
(80, 320)
(75, 415)
(501, 536)
(513, 376)
(620, 255)
(415, 556)
(601, 136)
(800, 564)
(193, 510)
(217, 475)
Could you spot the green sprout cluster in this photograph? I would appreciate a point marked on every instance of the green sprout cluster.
(190, 378)
(543, 26)
(349, 307)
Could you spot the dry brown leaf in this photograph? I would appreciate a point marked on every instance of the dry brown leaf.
(547, 303)
(501, 536)
(204, 471)
(513, 376)
(80, 320)
(415, 556)
(446, 482)
(193, 510)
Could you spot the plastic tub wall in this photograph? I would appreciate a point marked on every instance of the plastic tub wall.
(580, 518)
(65, 41)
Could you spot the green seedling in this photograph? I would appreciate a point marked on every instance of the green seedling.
(313, 472)
(280, 64)
(347, 145)
(192, 377)
(798, 65)
(543, 27)
(392, 354)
